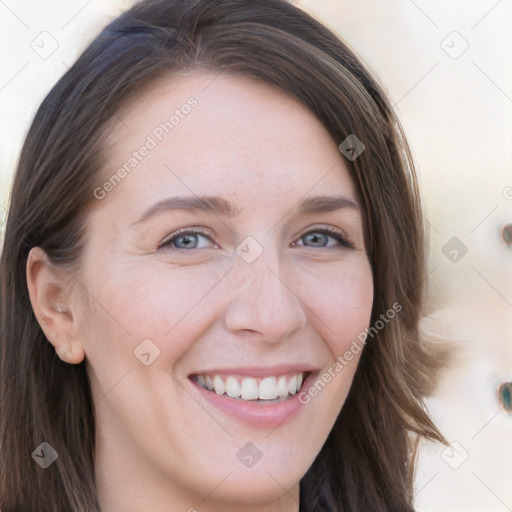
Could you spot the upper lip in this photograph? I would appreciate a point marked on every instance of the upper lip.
(259, 371)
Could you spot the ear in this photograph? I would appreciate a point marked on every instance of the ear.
(50, 290)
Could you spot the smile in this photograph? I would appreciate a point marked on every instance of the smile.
(268, 389)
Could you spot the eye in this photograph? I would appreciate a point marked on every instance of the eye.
(188, 239)
(184, 239)
(321, 236)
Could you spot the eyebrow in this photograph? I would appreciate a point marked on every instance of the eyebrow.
(221, 206)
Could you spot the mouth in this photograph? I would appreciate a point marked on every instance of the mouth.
(264, 390)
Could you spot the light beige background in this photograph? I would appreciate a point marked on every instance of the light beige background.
(456, 109)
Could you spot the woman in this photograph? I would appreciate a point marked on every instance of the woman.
(212, 276)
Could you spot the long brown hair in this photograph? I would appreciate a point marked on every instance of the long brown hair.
(367, 462)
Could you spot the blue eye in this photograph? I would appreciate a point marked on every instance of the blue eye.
(326, 233)
(187, 239)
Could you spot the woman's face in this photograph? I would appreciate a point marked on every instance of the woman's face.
(248, 298)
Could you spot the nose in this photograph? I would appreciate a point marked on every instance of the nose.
(266, 301)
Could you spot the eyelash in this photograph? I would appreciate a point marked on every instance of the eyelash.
(333, 233)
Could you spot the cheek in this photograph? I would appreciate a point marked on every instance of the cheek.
(340, 300)
(170, 306)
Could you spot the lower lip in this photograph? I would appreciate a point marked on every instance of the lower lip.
(260, 414)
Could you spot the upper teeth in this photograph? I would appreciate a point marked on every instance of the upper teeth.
(249, 388)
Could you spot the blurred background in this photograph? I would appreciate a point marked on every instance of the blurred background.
(446, 66)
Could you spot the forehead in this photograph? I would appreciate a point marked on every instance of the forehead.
(195, 133)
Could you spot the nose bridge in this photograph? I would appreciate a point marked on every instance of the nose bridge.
(264, 297)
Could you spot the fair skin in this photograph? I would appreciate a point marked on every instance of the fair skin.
(164, 443)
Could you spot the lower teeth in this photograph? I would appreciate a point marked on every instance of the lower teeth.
(279, 399)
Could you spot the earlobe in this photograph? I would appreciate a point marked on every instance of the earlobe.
(72, 353)
(49, 289)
